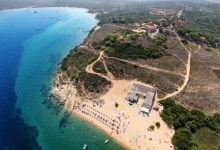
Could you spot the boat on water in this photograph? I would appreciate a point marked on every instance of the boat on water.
(106, 141)
(85, 147)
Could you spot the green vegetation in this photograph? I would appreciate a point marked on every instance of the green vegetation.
(208, 139)
(208, 49)
(131, 51)
(157, 124)
(187, 123)
(217, 72)
(183, 140)
(98, 69)
(130, 13)
(190, 34)
(185, 42)
(161, 40)
(115, 46)
(92, 59)
(95, 83)
(202, 20)
(73, 75)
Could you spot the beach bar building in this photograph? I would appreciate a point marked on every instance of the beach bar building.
(147, 93)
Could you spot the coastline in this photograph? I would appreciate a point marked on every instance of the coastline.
(35, 6)
(157, 139)
(66, 93)
(76, 111)
(98, 127)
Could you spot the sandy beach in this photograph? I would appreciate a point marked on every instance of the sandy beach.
(129, 129)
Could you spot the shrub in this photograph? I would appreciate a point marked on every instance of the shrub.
(208, 49)
(185, 42)
(92, 59)
(164, 46)
(98, 47)
(151, 128)
(72, 75)
(157, 125)
(98, 69)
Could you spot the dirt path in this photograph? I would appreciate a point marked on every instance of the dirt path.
(111, 78)
(87, 46)
(89, 68)
(109, 74)
(188, 66)
(147, 66)
(174, 55)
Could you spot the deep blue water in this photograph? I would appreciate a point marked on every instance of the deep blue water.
(28, 59)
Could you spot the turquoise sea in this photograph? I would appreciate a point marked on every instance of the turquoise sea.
(33, 42)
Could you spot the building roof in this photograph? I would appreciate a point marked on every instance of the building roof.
(146, 106)
(132, 97)
(148, 101)
(145, 89)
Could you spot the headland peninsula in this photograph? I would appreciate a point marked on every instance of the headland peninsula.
(124, 77)
(147, 75)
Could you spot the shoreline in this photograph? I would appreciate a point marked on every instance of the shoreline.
(67, 94)
(77, 113)
(35, 6)
(97, 127)
(146, 139)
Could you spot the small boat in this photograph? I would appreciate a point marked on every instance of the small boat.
(85, 147)
(35, 11)
(106, 141)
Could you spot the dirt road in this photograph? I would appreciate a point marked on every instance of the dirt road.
(188, 66)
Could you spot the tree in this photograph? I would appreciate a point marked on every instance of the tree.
(108, 43)
(182, 139)
(181, 31)
(157, 125)
(167, 103)
(195, 36)
(164, 46)
(133, 37)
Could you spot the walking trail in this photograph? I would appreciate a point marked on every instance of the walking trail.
(180, 89)
(111, 78)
